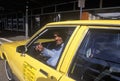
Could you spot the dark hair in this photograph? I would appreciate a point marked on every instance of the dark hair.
(62, 34)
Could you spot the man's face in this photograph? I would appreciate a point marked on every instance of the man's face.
(58, 39)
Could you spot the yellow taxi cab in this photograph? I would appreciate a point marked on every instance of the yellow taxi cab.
(91, 52)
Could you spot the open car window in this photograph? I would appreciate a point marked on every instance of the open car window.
(98, 57)
(46, 38)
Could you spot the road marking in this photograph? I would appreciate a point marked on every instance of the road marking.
(6, 40)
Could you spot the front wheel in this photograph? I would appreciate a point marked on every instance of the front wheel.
(8, 71)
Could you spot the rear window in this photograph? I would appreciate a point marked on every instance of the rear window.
(98, 57)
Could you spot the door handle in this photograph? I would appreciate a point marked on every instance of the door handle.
(43, 72)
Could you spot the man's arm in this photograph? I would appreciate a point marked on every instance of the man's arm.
(47, 52)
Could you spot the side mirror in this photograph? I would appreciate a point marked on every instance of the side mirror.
(21, 49)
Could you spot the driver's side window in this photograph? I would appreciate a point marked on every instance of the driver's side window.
(51, 51)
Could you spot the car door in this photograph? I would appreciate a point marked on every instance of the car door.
(35, 67)
(34, 70)
(97, 57)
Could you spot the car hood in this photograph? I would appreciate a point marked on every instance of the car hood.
(23, 42)
(11, 46)
(14, 44)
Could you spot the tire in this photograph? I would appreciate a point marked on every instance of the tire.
(8, 71)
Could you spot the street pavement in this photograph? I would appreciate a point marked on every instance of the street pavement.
(3, 76)
(8, 36)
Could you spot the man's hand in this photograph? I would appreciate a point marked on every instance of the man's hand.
(39, 47)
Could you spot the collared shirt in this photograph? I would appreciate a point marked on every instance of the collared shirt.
(53, 54)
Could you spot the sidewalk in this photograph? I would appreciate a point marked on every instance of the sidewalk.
(15, 38)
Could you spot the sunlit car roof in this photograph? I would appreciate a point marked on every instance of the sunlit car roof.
(88, 22)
